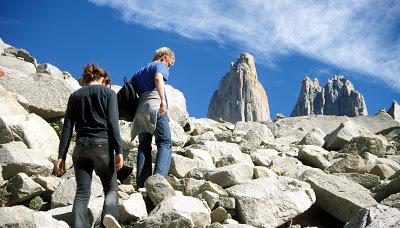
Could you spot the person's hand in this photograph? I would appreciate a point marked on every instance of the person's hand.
(119, 161)
(60, 167)
(163, 107)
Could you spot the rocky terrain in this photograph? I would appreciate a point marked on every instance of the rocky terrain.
(338, 97)
(307, 171)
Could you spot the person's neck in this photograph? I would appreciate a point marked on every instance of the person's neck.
(95, 83)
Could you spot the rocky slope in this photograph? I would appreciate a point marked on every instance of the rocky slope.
(321, 171)
(338, 97)
(240, 96)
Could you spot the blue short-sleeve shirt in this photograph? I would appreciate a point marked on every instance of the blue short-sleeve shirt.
(143, 79)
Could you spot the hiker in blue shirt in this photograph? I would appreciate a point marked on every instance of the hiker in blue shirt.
(151, 116)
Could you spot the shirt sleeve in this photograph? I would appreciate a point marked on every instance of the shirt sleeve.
(161, 68)
(113, 123)
(67, 131)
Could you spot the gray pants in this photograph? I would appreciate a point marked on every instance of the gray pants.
(94, 154)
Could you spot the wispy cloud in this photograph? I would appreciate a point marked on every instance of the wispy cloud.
(358, 35)
(9, 21)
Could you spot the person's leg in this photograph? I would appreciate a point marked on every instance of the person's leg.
(163, 141)
(83, 174)
(144, 169)
(104, 165)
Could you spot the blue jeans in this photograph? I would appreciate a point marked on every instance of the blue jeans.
(94, 154)
(163, 159)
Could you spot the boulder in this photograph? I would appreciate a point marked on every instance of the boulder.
(31, 129)
(221, 150)
(64, 194)
(314, 137)
(14, 67)
(9, 104)
(95, 207)
(314, 156)
(132, 208)
(176, 105)
(178, 135)
(349, 164)
(386, 189)
(382, 170)
(240, 96)
(332, 191)
(264, 157)
(284, 197)
(376, 216)
(43, 94)
(366, 180)
(242, 128)
(230, 175)
(178, 211)
(15, 157)
(343, 134)
(20, 216)
(200, 155)
(20, 53)
(158, 188)
(181, 166)
(392, 201)
(22, 188)
(373, 144)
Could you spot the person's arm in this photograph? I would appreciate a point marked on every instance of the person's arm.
(113, 126)
(159, 83)
(65, 139)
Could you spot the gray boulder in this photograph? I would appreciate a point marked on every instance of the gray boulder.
(271, 202)
(230, 175)
(22, 188)
(158, 188)
(31, 129)
(64, 194)
(242, 128)
(392, 201)
(95, 207)
(240, 96)
(366, 180)
(382, 170)
(178, 211)
(386, 189)
(332, 191)
(176, 105)
(133, 208)
(14, 67)
(373, 144)
(224, 151)
(314, 156)
(178, 135)
(314, 137)
(343, 134)
(20, 53)
(181, 166)
(377, 216)
(15, 157)
(23, 217)
(350, 164)
(9, 104)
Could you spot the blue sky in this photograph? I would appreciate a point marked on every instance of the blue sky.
(289, 39)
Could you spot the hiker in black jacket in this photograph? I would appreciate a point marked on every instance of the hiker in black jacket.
(93, 111)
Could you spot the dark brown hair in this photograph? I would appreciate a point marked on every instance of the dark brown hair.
(93, 72)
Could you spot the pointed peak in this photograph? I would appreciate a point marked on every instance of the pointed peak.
(247, 58)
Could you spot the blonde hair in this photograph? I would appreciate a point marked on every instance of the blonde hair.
(92, 72)
(163, 51)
